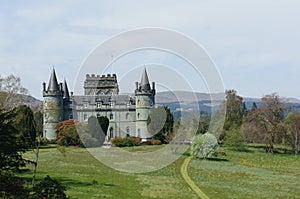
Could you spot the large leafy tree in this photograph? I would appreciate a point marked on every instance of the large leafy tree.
(11, 159)
(264, 124)
(160, 124)
(25, 124)
(292, 133)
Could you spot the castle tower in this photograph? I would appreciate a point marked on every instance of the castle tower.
(53, 106)
(144, 97)
(67, 102)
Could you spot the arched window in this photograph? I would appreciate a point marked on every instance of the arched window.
(138, 115)
(127, 131)
(111, 132)
(111, 116)
(127, 116)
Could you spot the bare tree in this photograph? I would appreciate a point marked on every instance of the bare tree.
(11, 91)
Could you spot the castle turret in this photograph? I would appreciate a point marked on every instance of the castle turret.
(53, 106)
(67, 102)
(144, 96)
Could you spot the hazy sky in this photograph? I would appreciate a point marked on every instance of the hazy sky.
(255, 44)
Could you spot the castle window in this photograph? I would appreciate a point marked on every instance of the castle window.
(112, 104)
(111, 132)
(128, 131)
(127, 116)
(138, 115)
(111, 116)
(85, 117)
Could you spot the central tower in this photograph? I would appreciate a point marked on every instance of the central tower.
(144, 97)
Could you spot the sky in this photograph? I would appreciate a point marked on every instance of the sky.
(254, 44)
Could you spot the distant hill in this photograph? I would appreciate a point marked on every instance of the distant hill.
(185, 101)
(30, 101)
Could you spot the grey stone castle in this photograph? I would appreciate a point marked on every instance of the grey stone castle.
(127, 114)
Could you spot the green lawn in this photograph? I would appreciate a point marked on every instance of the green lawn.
(77, 170)
(252, 174)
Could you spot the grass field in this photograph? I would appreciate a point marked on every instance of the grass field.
(251, 174)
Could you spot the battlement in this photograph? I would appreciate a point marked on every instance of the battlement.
(108, 77)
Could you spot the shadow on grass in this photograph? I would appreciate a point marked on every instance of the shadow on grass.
(217, 159)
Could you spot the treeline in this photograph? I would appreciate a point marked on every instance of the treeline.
(264, 124)
(20, 131)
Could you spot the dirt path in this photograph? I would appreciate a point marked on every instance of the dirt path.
(189, 181)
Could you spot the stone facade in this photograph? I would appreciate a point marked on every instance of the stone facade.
(127, 114)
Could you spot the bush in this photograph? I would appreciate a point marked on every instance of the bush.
(204, 145)
(125, 142)
(156, 142)
(49, 188)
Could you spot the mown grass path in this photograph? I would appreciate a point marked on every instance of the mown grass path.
(189, 181)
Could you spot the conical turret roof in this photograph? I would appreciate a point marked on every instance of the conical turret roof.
(145, 81)
(53, 85)
(66, 90)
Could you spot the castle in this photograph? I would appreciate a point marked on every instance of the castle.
(128, 115)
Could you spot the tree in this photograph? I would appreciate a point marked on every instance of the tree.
(204, 145)
(266, 121)
(234, 111)
(25, 125)
(11, 91)
(38, 120)
(292, 136)
(203, 124)
(11, 158)
(49, 188)
(97, 129)
(66, 134)
(160, 124)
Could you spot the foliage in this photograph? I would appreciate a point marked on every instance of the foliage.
(104, 123)
(38, 119)
(265, 123)
(234, 111)
(10, 91)
(292, 133)
(204, 145)
(160, 124)
(25, 125)
(203, 124)
(11, 149)
(49, 188)
(126, 142)
(235, 138)
(12, 186)
(66, 134)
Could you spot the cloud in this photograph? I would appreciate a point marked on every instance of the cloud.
(240, 36)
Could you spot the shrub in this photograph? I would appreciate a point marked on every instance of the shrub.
(125, 142)
(156, 142)
(204, 145)
(49, 188)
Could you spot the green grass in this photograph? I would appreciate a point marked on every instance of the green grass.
(77, 170)
(252, 174)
